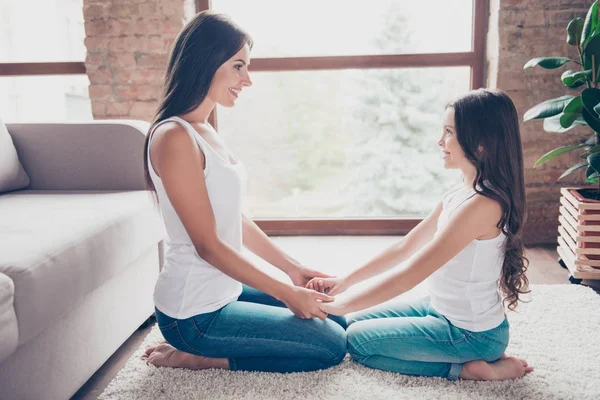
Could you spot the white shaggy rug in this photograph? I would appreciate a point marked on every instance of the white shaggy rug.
(558, 333)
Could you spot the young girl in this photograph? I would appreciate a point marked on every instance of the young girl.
(471, 248)
(207, 316)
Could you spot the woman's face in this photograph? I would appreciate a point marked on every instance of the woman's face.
(231, 78)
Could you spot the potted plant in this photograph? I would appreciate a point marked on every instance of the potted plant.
(579, 230)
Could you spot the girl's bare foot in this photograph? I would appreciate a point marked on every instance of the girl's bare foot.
(520, 359)
(165, 355)
(505, 368)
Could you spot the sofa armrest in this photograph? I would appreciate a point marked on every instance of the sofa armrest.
(9, 332)
(92, 155)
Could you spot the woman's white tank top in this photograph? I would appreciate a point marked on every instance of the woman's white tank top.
(187, 284)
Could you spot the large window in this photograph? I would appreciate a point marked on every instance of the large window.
(339, 131)
(42, 53)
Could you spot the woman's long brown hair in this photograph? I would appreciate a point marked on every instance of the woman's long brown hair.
(206, 42)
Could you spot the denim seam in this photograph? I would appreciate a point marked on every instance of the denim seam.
(404, 337)
(200, 334)
(168, 326)
(492, 341)
(186, 344)
(212, 320)
(273, 340)
(452, 373)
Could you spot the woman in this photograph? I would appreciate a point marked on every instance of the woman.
(214, 308)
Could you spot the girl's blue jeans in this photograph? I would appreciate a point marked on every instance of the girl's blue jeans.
(258, 333)
(413, 339)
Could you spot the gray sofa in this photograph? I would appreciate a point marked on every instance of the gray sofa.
(80, 250)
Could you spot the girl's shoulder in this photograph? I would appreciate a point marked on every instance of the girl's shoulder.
(456, 193)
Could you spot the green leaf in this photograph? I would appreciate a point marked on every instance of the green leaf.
(573, 169)
(592, 50)
(573, 78)
(571, 112)
(591, 98)
(592, 150)
(590, 24)
(597, 108)
(593, 178)
(548, 108)
(557, 152)
(594, 160)
(552, 124)
(591, 174)
(592, 121)
(574, 106)
(567, 120)
(547, 62)
(574, 30)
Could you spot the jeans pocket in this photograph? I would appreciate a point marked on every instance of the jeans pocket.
(168, 327)
(202, 322)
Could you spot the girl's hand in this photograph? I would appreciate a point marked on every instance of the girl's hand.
(330, 286)
(337, 307)
(301, 275)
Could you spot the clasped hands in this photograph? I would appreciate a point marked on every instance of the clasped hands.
(312, 295)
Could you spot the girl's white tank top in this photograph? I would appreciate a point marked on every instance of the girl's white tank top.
(465, 290)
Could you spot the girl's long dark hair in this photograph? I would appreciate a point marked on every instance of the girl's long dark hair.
(487, 127)
(206, 42)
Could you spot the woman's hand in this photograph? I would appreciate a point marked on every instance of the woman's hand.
(338, 307)
(304, 302)
(330, 286)
(301, 275)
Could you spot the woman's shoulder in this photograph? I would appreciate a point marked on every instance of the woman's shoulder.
(169, 134)
(172, 138)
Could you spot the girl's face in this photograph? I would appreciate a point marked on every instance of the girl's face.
(452, 154)
(231, 78)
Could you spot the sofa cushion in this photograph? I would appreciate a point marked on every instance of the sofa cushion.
(9, 334)
(58, 246)
(12, 174)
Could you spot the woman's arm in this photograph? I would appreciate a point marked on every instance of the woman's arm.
(180, 163)
(410, 244)
(259, 243)
(476, 218)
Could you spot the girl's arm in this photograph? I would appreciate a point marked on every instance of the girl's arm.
(180, 163)
(259, 243)
(476, 218)
(410, 244)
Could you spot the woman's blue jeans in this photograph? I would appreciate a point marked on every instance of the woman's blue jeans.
(414, 339)
(258, 333)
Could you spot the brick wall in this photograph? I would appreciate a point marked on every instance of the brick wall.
(128, 43)
(518, 31)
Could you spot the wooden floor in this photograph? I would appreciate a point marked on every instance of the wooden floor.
(543, 269)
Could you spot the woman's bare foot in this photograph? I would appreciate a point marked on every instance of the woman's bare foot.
(150, 349)
(165, 355)
(505, 368)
